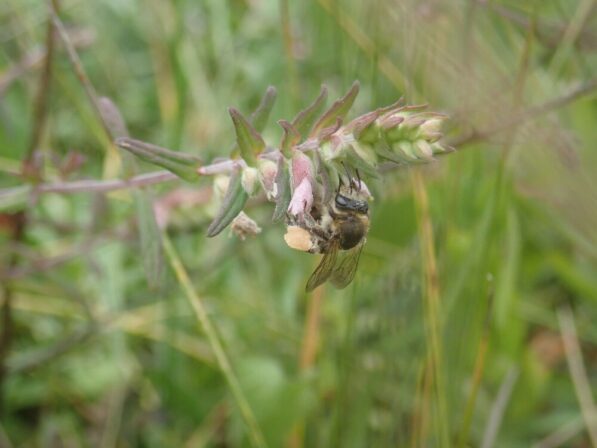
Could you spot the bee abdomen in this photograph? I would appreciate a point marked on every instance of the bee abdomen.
(351, 232)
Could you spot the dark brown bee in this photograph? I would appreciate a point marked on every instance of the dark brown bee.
(337, 230)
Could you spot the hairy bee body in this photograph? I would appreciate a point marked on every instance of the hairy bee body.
(339, 226)
(350, 229)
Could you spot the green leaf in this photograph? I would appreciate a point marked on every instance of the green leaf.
(283, 187)
(290, 138)
(150, 239)
(143, 147)
(338, 110)
(183, 165)
(233, 203)
(259, 117)
(248, 139)
(305, 118)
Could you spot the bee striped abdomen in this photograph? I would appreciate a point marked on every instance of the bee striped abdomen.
(351, 230)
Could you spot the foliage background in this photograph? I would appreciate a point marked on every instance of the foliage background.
(98, 358)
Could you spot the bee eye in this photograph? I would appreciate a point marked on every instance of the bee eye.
(341, 201)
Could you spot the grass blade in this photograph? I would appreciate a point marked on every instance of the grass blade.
(222, 358)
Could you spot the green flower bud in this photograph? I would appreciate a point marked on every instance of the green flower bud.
(390, 126)
(430, 130)
(405, 149)
(422, 150)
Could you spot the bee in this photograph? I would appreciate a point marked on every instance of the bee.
(338, 230)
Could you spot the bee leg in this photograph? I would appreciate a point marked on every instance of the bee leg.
(314, 228)
(290, 219)
(309, 222)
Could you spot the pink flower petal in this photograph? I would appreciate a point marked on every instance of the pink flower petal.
(301, 168)
(302, 198)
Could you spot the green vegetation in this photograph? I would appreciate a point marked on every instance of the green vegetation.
(471, 318)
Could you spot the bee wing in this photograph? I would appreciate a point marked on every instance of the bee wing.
(345, 270)
(325, 267)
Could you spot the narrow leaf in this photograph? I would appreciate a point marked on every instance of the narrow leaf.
(283, 190)
(233, 203)
(183, 165)
(338, 110)
(150, 239)
(176, 156)
(261, 114)
(290, 138)
(248, 139)
(305, 119)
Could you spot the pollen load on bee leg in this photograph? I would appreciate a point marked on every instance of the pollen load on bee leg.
(298, 238)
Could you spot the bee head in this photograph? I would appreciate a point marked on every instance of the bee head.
(353, 205)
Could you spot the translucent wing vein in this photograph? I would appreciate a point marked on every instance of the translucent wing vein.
(346, 268)
(324, 269)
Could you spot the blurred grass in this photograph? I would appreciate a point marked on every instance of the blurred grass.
(512, 213)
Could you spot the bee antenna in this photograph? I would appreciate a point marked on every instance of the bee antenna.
(359, 178)
(348, 176)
